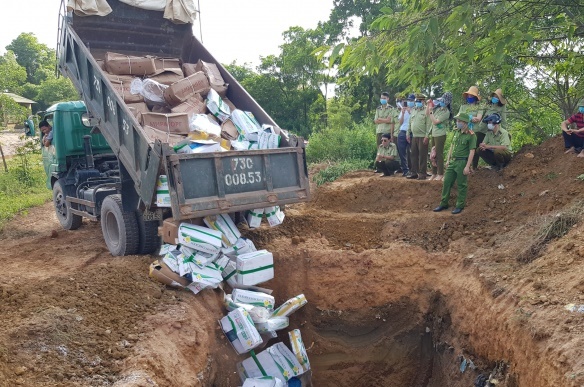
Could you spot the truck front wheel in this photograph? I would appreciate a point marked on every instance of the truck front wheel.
(68, 220)
(120, 229)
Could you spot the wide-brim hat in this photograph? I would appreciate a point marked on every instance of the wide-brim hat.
(499, 94)
(474, 91)
(463, 117)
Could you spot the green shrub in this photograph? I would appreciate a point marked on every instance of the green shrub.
(338, 169)
(354, 142)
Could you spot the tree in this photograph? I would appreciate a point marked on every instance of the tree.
(55, 90)
(38, 59)
(12, 75)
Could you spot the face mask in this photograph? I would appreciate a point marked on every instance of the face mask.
(418, 104)
(581, 109)
(410, 104)
(460, 125)
(494, 100)
(470, 99)
(441, 104)
(383, 101)
(490, 126)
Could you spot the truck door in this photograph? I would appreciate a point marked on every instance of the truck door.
(49, 153)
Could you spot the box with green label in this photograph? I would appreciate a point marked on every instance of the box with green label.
(255, 267)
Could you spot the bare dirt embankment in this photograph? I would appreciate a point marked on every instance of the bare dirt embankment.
(10, 141)
(398, 295)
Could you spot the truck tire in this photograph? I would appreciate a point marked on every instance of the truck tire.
(120, 228)
(68, 220)
(148, 233)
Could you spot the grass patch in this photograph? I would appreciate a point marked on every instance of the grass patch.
(22, 187)
(552, 227)
(338, 169)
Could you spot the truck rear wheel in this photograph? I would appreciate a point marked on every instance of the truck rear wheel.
(68, 220)
(149, 239)
(120, 228)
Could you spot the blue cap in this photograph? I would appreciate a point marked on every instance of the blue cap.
(411, 97)
(294, 382)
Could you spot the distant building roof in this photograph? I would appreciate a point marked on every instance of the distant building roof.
(18, 98)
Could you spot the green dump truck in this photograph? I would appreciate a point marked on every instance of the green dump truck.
(101, 164)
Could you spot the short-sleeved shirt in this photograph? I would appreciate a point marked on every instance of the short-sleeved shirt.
(396, 114)
(405, 125)
(577, 119)
(490, 109)
(419, 123)
(474, 110)
(389, 150)
(441, 114)
(384, 112)
(501, 138)
(463, 144)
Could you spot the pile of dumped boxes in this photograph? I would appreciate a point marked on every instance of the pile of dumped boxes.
(185, 105)
(201, 256)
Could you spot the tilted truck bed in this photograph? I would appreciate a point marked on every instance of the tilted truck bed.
(200, 184)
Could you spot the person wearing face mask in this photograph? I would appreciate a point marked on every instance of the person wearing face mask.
(403, 139)
(459, 162)
(496, 146)
(574, 138)
(439, 116)
(420, 128)
(384, 117)
(476, 109)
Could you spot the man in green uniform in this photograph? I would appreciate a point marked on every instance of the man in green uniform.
(496, 147)
(386, 160)
(459, 161)
(419, 127)
(384, 117)
(472, 105)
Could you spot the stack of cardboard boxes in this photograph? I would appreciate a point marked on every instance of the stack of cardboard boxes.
(185, 103)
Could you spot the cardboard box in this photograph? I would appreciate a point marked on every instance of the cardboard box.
(199, 238)
(161, 273)
(217, 107)
(240, 330)
(204, 123)
(264, 381)
(225, 225)
(197, 257)
(221, 89)
(273, 324)
(299, 349)
(211, 71)
(253, 298)
(138, 108)
(165, 137)
(166, 248)
(241, 246)
(285, 360)
(184, 89)
(228, 130)
(268, 140)
(254, 268)
(290, 306)
(162, 192)
(245, 125)
(254, 217)
(189, 69)
(167, 63)
(121, 64)
(198, 146)
(161, 109)
(228, 102)
(176, 123)
(191, 106)
(250, 367)
(170, 229)
(207, 276)
(170, 259)
(122, 86)
(274, 215)
(167, 76)
(230, 274)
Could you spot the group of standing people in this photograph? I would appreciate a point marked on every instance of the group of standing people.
(417, 128)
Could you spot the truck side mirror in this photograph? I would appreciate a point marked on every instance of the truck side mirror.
(89, 122)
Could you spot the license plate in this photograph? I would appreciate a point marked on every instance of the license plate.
(152, 215)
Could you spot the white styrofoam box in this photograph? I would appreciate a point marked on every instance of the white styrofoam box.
(255, 267)
(253, 298)
(240, 330)
(225, 225)
(254, 217)
(199, 238)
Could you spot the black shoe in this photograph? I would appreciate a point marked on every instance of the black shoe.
(440, 208)
(412, 176)
(456, 211)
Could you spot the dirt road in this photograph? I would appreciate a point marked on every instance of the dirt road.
(10, 141)
(398, 295)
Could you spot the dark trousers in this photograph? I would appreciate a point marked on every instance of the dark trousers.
(475, 159)
(439, 144)
(573, 141)
(419, 157)
(403, 149)
(495, 157)
(388, 167)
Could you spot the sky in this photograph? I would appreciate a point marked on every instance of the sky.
(233, 30)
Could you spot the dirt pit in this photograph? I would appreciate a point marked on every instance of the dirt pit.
(398, 295)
